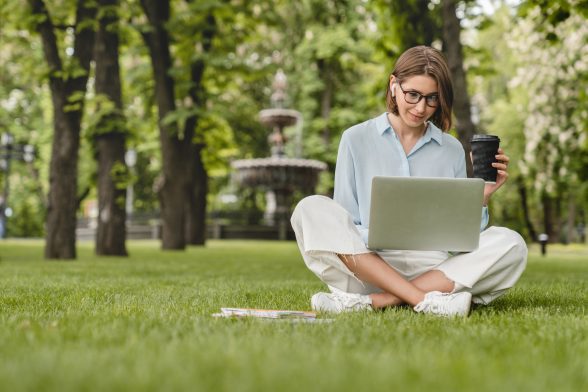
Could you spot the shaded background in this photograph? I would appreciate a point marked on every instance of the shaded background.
(181, 83)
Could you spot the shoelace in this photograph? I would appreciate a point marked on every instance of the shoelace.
(349, 301)
(433, 306)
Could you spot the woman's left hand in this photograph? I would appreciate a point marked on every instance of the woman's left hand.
(502, 167)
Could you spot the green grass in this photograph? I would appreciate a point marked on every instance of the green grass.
(143, 323)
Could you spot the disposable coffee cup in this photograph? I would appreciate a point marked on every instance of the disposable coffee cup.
(484, 150)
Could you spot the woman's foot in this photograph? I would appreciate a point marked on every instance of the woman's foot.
(445, 304)
(340, 302)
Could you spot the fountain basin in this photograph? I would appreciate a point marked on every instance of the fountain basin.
(278, 117)
(278, 174)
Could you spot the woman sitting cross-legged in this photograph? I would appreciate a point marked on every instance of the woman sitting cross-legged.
(411, 139)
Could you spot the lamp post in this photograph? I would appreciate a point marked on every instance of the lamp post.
(9, 151)
(130, 160)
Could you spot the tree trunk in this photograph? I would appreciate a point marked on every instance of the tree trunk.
(571, 220)
(525, 206)
(67, 94)
(453, 50)
(198, 188)
(196, 222)
(549, 218)
(415, 24)
(174, 188)
(111, 233)
(110, 138)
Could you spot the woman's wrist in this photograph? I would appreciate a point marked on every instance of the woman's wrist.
(486, 200)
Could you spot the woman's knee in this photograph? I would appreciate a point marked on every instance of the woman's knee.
(306, 206)
(515, 242)
(309, 202)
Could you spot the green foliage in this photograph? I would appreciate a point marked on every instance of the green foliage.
(75, 100)
(27, 220)
(328, 58)
(24, 112)
(144, 323)
(554, 12)
(532, 93)
(28, 213)
(337, 57)
(490, 65)
(104, 117)
(144, 177)
(121, 175)
(404, 24)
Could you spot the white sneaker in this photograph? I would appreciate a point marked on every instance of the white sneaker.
(445, 304)
(340, 302)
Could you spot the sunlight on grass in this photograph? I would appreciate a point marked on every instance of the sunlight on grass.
(143, 323)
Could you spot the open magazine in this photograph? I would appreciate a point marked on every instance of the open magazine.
(292, 316)
(265, 313)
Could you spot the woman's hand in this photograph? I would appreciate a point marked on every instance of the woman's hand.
(502, 167)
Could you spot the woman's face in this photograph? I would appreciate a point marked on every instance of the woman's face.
(423, 87)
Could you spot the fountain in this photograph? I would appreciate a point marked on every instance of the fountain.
(278, 175)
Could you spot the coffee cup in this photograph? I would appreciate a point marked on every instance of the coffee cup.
(484, 150)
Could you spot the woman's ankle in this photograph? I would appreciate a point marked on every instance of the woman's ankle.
(384, 300)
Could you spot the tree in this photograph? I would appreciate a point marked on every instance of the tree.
(404, 24)
(326, 56)
(175, 145)
(422, 22)
(553, 74)
(184, 184)
(202, 37)
(109, 135)
(197, 191)
(491, 65)
(22, 102)
(452, 47)
(530, 79)
(67, 81)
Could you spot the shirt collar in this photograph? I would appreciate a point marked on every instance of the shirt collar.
(432, 132)
(382, 123)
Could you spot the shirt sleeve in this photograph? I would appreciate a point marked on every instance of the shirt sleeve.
(346, 187)
(485, 218)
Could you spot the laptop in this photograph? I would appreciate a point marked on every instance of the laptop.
(418, 213)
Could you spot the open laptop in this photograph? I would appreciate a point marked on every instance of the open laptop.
(420, 213)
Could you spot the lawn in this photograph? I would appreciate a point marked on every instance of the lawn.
(144, 323)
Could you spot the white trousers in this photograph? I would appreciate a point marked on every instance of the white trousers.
(324, 229)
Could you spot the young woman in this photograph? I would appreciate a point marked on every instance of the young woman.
(409, 140)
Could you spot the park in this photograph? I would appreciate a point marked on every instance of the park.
(152, 154)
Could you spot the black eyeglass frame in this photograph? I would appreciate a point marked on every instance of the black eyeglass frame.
(421, 96)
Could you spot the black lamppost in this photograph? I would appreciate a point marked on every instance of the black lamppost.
(9, 151)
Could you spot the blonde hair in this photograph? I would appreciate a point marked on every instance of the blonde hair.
(424, 60)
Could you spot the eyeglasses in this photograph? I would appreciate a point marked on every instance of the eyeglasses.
(414, 97)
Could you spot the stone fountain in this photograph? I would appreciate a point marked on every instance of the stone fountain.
(278, 175)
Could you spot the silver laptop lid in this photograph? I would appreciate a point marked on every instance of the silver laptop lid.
(418, 213)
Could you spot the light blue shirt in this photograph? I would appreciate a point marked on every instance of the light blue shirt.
(372, 148)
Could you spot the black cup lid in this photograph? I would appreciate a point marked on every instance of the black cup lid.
(484, 138)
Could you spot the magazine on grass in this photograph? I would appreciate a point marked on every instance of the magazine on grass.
(265, 313)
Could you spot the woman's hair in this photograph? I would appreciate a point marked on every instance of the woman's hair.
(424, 60)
